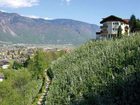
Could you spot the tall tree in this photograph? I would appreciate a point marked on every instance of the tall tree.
(132, 23)
(26, 63)
(38, 64)
(119, 32)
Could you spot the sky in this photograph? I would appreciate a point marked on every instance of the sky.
(91, 11)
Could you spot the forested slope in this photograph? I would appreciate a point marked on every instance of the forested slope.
(98, 73)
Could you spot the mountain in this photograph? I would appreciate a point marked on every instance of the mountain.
(19, 29)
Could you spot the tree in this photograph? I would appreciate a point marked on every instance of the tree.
(132, 23)
(26, 63)
(38, 64)
(17, 65)
(138, 24)
(119, 34)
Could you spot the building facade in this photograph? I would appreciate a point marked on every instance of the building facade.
(110, 26)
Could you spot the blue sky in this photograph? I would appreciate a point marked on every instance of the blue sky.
(91, 11)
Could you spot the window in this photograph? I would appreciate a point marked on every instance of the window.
(115, 29)
(115, 23)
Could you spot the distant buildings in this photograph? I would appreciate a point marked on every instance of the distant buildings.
(4, 64)
(111, 25)
(13, 53)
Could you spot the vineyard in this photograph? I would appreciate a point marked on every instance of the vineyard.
(98, 73)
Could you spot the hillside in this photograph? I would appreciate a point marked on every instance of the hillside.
(98, 73)
(19, 29)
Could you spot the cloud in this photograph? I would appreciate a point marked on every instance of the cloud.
(48, 18)
(34, 17)
(18, 3)
(37, 17)
(68, 1)
(65, 2)
(2, 10)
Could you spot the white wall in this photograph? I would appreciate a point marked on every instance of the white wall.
(114, 25)
(123, 28)
(113, 28)
(109, 29)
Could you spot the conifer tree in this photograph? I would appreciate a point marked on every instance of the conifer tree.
(119, 32)
(132, 23)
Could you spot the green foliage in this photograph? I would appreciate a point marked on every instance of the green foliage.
(38, 64)
(53, 55)
(23, 85)
(17, 65)
(27, 62)
(18, 88)
(138, 23)
(41, 60)
(134, 24)
(98, 73)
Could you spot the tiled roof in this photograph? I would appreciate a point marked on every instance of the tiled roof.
(126, 20)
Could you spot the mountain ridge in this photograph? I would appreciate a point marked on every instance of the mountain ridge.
(20, 29)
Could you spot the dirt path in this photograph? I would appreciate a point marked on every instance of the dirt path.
(43, 97)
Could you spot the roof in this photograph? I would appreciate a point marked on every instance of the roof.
(98, 33)
(114, 18)
(126, 21)
(3, 62)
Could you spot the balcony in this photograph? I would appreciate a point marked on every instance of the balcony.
(104, 27)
